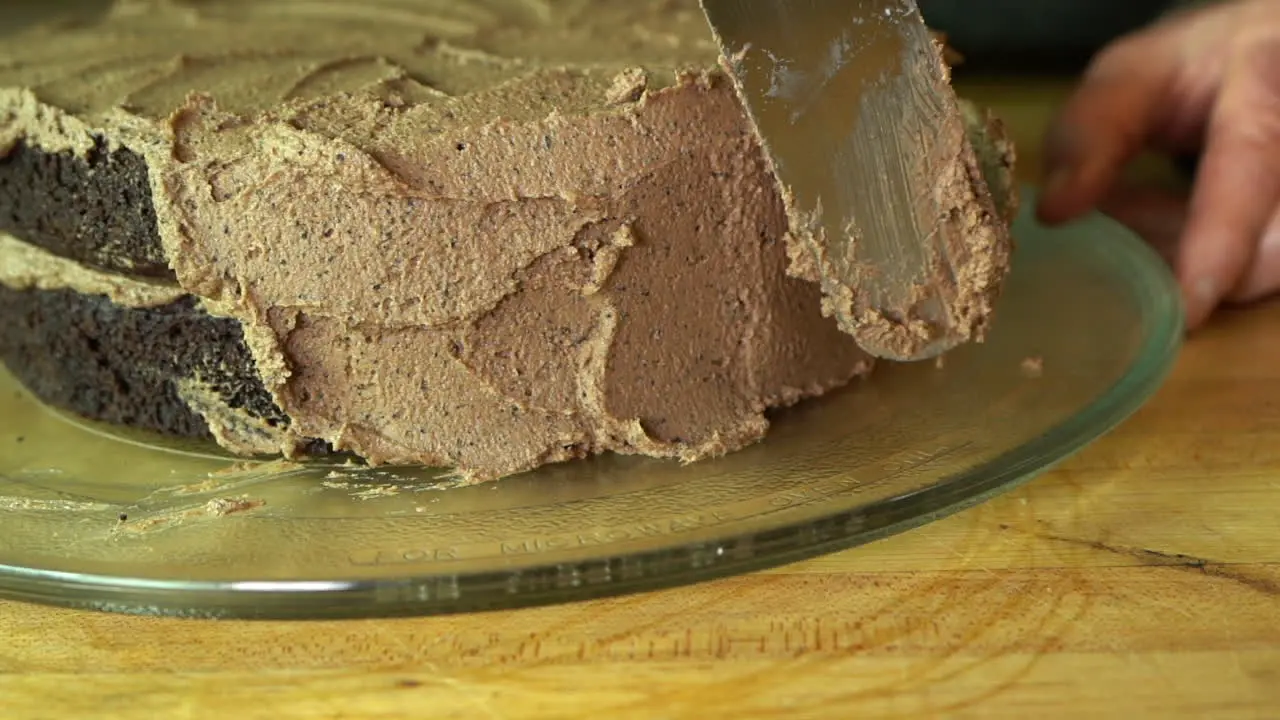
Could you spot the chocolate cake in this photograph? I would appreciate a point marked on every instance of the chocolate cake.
(486, 235)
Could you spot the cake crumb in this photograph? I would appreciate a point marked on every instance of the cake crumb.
(940, 362)
(377, 491)
(1033, 367)
(221, 507)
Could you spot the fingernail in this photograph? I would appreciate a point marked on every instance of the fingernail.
(1054, 206)
(1202, 297)
(1206, 290)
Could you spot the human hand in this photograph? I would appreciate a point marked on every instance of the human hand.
(1205, 80)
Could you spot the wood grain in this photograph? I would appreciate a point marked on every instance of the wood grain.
(1140, 579)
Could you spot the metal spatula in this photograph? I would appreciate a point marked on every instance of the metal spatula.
(853, 104)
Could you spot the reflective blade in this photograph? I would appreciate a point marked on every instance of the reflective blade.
(853, 103)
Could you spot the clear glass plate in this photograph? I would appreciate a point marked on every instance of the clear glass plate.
(90, 517)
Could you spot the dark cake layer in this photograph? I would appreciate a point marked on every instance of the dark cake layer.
(94, 209)
(85, 354)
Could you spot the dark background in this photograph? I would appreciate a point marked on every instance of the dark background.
(1036, 35)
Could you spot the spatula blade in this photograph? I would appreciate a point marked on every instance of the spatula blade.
(853, 103)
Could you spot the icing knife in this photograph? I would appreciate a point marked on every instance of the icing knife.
(853, 104)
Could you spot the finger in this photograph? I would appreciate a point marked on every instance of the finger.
(1157, 216)
(1238, 185)
(1107, 122)
(1263, 277)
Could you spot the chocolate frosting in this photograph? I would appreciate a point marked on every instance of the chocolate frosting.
(480, 234)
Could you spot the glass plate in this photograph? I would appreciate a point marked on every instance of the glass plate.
(90, 517)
